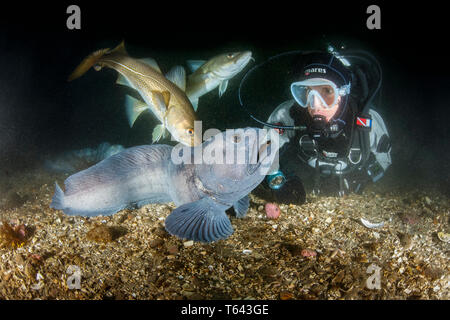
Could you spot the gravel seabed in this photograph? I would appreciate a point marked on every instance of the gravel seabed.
(320, 250)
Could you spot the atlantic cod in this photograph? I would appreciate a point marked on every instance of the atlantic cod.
(206, 76)
(164, 95)
(216, 72)
(202, 192)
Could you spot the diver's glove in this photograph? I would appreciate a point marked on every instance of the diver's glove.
(286, 190)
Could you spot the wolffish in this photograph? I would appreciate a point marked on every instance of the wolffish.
(202, 192)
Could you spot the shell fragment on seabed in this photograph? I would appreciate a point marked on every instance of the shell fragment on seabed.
(371, 225)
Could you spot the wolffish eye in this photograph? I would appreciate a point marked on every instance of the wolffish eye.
(236, 138)
(230, 55)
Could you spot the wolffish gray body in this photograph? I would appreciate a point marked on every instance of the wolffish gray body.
(147, 174)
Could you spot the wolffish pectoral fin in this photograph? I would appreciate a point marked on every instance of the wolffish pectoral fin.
(158, 132)
(202, 220)
(241, 207)
(223, 87)
(133, 108)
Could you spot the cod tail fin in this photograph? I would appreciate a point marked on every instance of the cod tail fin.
(58, 198)
(92, 60)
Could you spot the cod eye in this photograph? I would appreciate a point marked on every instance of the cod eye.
(230, 55)
(236, 138)
(190, 131)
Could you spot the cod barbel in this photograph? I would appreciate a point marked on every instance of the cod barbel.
(216, 72)
(163, 95)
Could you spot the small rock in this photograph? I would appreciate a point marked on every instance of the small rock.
(189, 243)
(308, 253)
(405, 239)
(156, 243)
(328, 220)
(173, 249)
(19, 259)
(445, 237)
(338, 278)
(285, 295)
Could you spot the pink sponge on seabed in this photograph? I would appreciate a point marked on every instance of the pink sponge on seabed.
(272, 210)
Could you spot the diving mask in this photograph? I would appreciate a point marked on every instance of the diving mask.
(304, 92)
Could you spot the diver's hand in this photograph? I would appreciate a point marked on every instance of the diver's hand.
(292, 192)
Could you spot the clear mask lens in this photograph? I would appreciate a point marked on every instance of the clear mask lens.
(315, 93)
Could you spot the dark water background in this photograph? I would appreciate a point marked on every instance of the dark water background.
(41, 113)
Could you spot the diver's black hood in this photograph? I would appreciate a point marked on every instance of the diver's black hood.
(322, 65)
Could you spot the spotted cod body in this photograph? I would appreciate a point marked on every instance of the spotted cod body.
(164, 95)
(147, 174)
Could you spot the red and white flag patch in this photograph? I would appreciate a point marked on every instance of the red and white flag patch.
(364, 122)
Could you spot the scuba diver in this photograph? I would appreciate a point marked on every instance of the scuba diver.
(331, 139)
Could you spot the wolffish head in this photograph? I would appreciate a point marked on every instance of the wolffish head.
(226, 66)
(236, 161)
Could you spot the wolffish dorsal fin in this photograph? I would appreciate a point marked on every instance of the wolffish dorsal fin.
(177, 75)
(152, 63)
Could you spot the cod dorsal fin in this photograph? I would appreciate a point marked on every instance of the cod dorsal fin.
(195, 64)
(177, 75)
(152, 63)
(123, 81)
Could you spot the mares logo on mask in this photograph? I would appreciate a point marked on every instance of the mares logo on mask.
(315, 70)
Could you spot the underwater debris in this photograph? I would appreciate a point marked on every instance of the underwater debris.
(272, 210)
(371, 225)
(285, 295)
(13, 236)
(307, 253)
(445, 237)
(189, 243)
